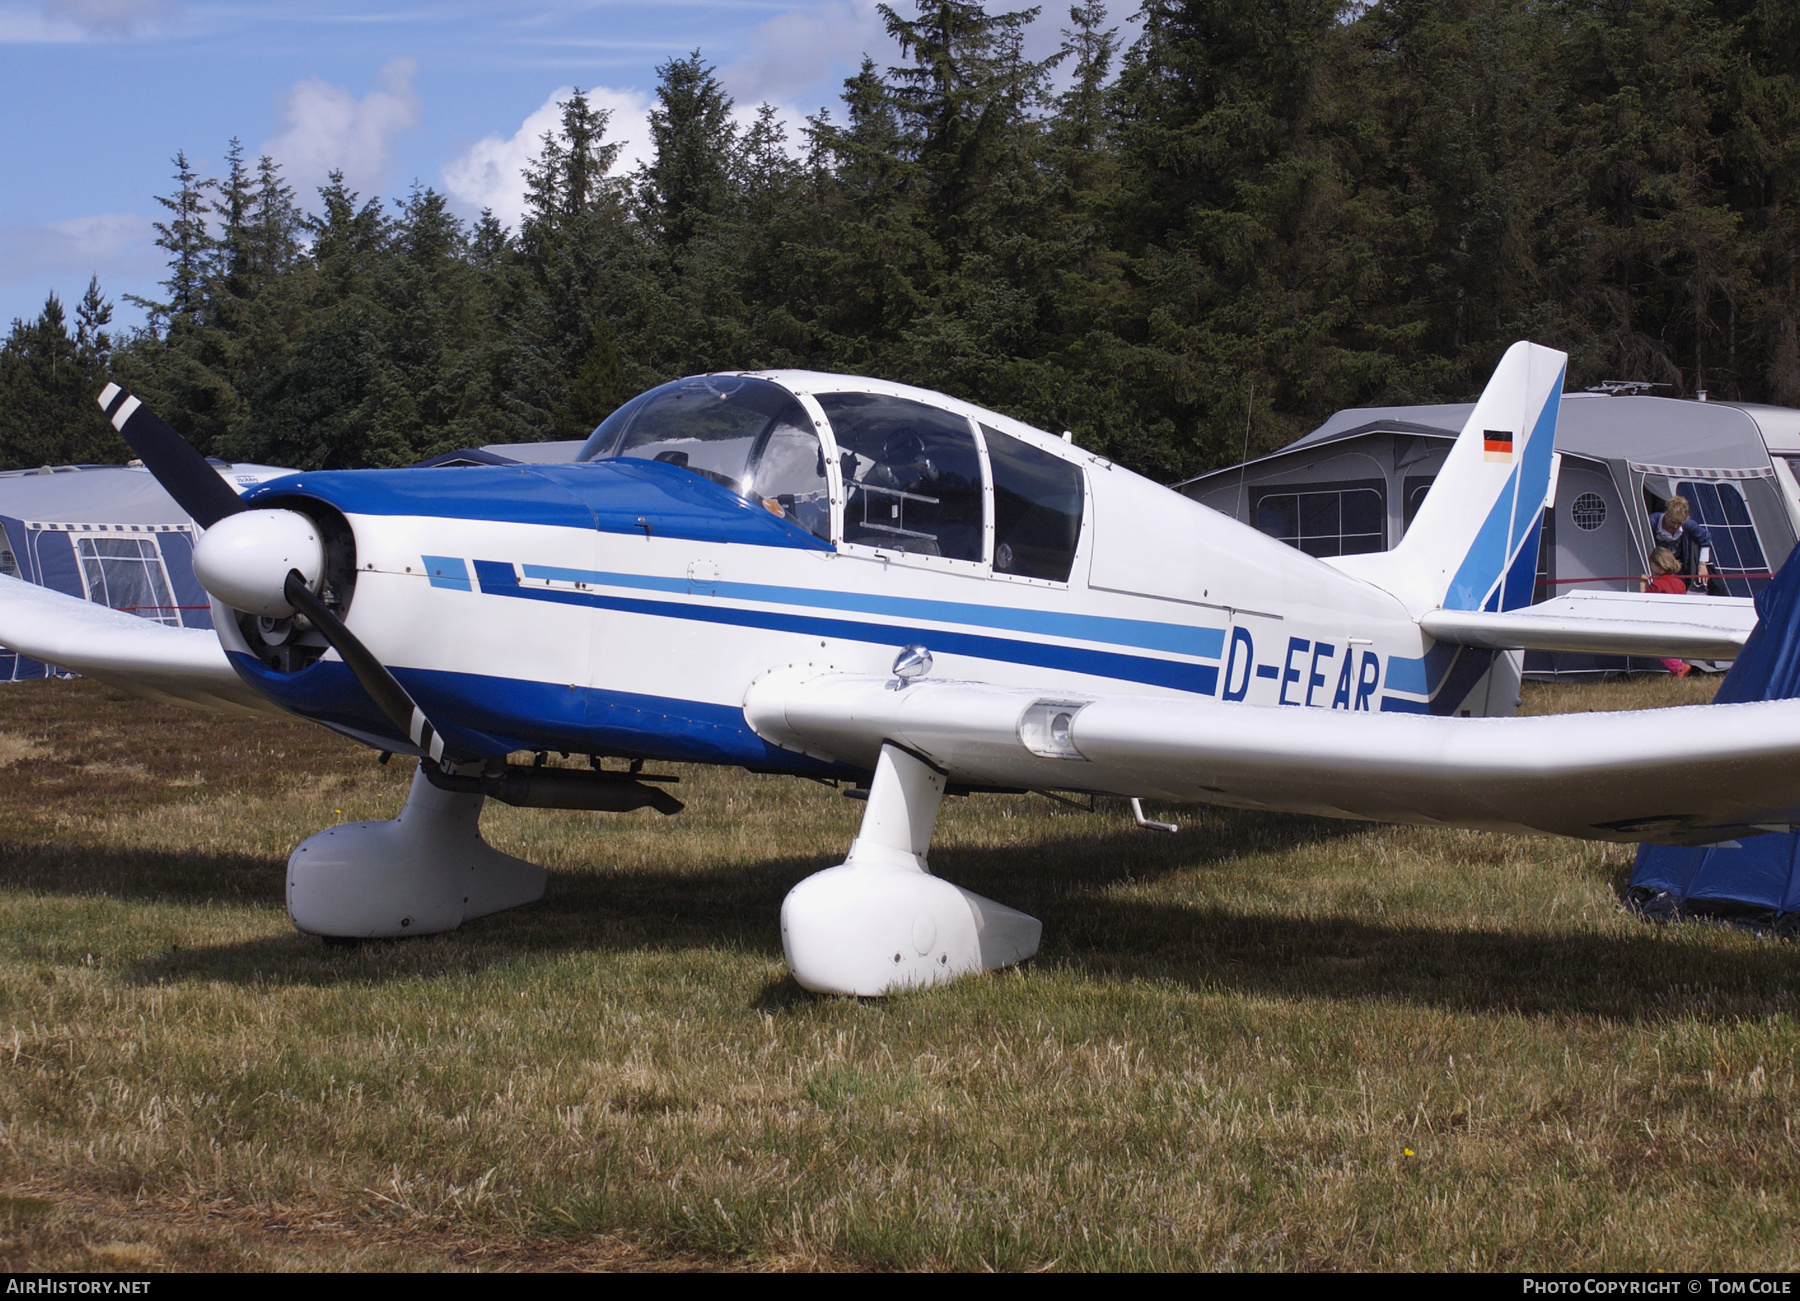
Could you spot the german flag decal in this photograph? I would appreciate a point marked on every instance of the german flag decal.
(1496, 444)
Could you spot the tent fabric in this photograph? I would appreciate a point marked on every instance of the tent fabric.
(1647, 430)
(46, 515)
(39, 508)
(1756, 881)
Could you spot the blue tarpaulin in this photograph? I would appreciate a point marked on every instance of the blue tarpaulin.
(1754, 880)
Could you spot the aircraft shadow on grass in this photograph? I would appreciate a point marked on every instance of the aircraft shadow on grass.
(1089, 930)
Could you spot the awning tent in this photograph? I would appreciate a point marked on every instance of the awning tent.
(1354, 484)
(108, 534)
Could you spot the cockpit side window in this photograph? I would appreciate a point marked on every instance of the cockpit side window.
(1037, 509)
(912, 475)
(747, 434)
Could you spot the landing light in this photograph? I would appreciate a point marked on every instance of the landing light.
(1047, 728)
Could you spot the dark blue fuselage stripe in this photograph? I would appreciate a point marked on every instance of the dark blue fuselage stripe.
(498, 578)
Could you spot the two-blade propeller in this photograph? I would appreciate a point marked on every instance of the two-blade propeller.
(183, 472)
(402, 710)
(247, 565)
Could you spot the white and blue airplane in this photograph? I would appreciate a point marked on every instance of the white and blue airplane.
(837, 577)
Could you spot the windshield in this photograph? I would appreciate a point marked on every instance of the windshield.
(747, 434)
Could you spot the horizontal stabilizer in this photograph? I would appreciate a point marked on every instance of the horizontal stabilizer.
(1607, 623)
(184, 666)
(1593, 776)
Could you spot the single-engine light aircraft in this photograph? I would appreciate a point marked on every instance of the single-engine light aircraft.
(836, 577)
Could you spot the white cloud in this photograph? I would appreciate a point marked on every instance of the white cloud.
(111, 19)
(62, 22)
(328, 127)
(110, 246)
(490, 172)
(811, 49)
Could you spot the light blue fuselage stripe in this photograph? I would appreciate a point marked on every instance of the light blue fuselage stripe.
(1179, 639)
(500, 579)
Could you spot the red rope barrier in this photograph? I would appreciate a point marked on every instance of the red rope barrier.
(1638, 578)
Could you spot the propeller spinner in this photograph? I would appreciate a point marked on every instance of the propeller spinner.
(247, 559)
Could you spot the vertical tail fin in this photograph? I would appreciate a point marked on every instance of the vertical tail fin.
(1473, 544)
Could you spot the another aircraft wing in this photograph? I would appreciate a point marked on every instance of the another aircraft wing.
(184, 666)
(1608, 623)
(1694, 775)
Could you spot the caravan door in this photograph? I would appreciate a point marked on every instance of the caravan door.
(1596, 548)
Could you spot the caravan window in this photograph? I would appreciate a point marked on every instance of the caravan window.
(9, 564)
(1736, 549)
(912, 475)
(127, 574)
(1415, 486)
(1037, 509)
(1338, 519)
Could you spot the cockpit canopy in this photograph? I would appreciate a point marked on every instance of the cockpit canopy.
(747, 434)
(911, 473)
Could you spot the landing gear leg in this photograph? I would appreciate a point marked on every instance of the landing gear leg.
(427, 871)
(880, 922)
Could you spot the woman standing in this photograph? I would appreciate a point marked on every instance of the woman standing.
(1686, 538)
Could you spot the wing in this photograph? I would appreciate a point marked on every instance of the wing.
(184, 666)
(1677, 776)
(1608, 623)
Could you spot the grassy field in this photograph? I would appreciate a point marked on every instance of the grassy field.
(1266, 1042)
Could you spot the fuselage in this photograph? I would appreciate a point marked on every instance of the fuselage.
(626, 605)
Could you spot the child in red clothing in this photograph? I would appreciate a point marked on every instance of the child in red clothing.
(1667, 578)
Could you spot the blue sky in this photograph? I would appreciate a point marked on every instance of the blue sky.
(97, 95)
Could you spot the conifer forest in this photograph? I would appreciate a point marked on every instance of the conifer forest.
(1182, 238)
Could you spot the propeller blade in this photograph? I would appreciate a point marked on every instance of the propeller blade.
(183, 472)
(402, 710)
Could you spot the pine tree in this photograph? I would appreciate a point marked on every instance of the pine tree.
(92, 315)
(583, 259)
(599, 385)
(489, 242)
(185, 238)
(961, 104)
(275, 223)
(569, 178)
(233, 197)
(689, 178)
(47, 386)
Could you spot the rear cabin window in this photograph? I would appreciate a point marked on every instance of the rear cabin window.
(1037, 509)
(912, 476)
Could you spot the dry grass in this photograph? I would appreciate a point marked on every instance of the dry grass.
(1263, 1043)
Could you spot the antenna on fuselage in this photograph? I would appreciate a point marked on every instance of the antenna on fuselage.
(1244, 461)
